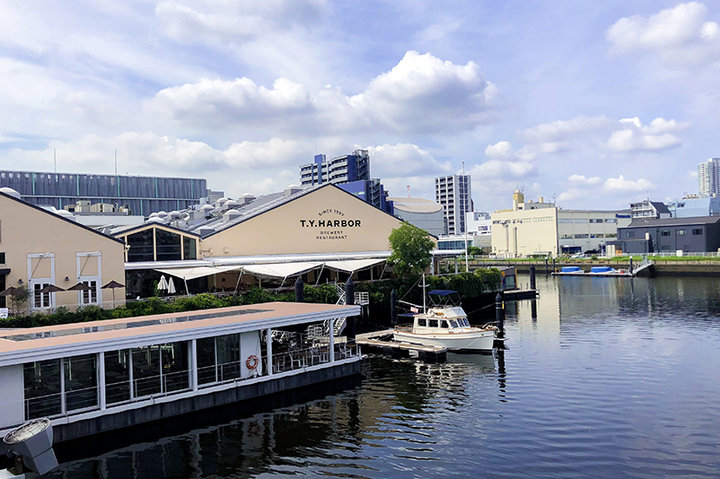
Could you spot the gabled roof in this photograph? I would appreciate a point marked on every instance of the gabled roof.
(660, 207)
(125, 230)
(62, 218)
(273, 201)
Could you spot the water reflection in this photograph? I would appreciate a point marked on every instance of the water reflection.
(603, 377)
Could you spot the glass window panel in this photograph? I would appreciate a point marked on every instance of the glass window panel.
(175, 366)
(42, 388)
(141, 246)
(146, 370)
(189, 248)
(168, 245)
(206, 360)
(80, 382)
(228, 356)
(117, 376)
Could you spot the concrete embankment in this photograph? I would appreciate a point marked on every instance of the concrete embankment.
(659, 268)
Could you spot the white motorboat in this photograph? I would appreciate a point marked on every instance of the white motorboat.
(447, 326)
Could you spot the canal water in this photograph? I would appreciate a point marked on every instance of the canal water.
(604, 377)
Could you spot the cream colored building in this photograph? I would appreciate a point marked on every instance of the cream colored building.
(322, 233)
(540, 228)
(41, 248)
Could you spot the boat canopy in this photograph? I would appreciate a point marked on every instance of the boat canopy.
(441, 292)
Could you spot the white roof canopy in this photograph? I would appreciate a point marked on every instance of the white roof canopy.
(281, 270)
(196, 272)
(352, 265)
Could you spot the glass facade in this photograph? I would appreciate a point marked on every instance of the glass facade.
(117, 376)
(141, 246)
(42, 388)
(80, 382)
(218, 358)
(168, 245)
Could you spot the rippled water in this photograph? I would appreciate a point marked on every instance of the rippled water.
(613, 378)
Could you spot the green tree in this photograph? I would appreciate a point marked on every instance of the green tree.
(411, 250)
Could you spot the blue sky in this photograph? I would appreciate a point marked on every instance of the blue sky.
(595, 104)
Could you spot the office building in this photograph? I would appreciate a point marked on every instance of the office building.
(454, 194)
(649, 209)
(653, 235)
(709, 177)
(142, 195)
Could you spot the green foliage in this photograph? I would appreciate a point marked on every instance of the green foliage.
(325, 293)
(411, 249)
(475, 250)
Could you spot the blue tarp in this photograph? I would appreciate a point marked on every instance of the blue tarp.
(570, 269)
(602, 269)
(441, 292)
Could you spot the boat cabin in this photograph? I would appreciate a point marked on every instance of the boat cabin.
(441, 320)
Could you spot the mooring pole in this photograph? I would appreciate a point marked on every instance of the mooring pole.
(299, 293)
(350, 299)
(500, 314)
(631, 266)
(553, 265)
(532, 276)
(393, 308)
(546, 266)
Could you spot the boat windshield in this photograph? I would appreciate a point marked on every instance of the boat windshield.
(453, 323)
(443, 324)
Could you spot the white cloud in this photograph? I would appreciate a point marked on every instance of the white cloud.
(634, 136)
(621, 184)
(419, 94)
(223, 21)
(580, 179)
(678, 36)
(497, 169)
(501, 149)
(403, 160)
(564, 129)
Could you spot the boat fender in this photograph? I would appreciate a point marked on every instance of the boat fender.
(252, 362)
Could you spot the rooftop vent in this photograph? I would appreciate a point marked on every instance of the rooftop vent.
(230, 215)
(247, 198)
(10, 192)
(205, 230)
(292, 189)
(231, 204)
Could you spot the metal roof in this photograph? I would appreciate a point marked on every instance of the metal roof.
(659, 222)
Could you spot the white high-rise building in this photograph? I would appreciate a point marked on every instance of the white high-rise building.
(709, 177)
(454, 194)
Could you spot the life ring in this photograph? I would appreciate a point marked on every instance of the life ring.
(252, 362)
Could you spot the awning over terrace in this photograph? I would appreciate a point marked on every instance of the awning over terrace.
(196, 272)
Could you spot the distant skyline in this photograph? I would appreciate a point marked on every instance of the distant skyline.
(594, 104)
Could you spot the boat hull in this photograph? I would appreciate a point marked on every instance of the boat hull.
(475, 341)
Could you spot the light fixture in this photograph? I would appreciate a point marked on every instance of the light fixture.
(67, 278)
(20, 281)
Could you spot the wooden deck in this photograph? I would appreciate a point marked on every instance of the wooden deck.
(382, 342)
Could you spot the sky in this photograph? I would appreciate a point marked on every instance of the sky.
(591, 104)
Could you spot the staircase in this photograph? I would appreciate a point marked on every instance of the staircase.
(315, 331)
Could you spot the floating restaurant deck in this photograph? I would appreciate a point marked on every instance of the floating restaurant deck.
(95, 377)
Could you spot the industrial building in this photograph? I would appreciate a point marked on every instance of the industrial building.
(142, 195)
(455, 195)
(543, 229)
(652, 235)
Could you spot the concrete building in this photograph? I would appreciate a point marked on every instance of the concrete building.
(349, 172)
(651, 235)
(479, 225)
(540, 228)
(423, 213)
(41, 248)
(649, 209)
(455, 195)
(709, 177)
(341, 169)
(141, 194)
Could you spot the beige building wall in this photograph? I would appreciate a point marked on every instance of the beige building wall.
(41, 247)
(588, 229)
(326, 220)
(524, 232)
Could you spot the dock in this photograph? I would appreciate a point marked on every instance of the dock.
(381, 342)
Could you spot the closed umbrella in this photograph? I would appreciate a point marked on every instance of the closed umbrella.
(163, 284)
(112, 285)
(171, 287)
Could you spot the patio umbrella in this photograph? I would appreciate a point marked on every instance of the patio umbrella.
(50, 288)
(12, 291)
(171, 287)
(112, 285)
(79, 287)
